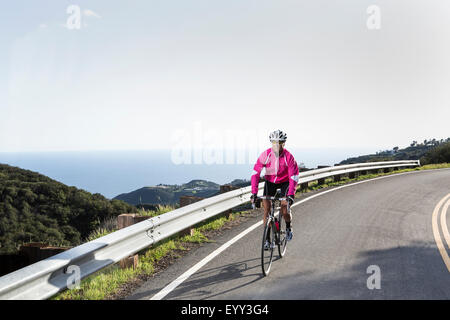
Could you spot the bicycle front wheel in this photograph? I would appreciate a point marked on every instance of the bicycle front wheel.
(282, 243)
(267, 254)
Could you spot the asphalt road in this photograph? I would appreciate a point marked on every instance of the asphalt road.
(343, 240)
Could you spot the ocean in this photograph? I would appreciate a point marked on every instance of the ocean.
(111, 173)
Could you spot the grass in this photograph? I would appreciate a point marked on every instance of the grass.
(99, 232)
(434, 166)
(100, 285)
(329, 182)
(110, 225)
(106, 282)
(153, 213)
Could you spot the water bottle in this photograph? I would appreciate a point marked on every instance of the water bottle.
(277, 225)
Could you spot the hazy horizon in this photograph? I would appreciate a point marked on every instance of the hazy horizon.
(114, 172)
(109, 96)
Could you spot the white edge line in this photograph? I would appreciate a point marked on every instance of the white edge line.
(170, 287)
(200, 264)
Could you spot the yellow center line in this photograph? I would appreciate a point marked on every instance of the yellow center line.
(436, 234)
(444, 223)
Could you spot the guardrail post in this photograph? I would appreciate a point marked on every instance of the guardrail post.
(337, 178)
(225, 188)
(322, 180)
(131, 261)
(352, 175)
(303, 186)
(32, 251)
(37, 251)
(123, 221)
(36, 282)
(47, 252)
(387, 170)
(363, 172)
(184, 201)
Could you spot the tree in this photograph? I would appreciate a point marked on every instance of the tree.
(439, 154)
(35, 207)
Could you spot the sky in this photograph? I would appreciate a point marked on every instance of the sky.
(147, 75)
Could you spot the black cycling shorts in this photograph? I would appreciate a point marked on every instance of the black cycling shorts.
(271, 188)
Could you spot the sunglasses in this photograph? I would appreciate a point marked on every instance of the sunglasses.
(281, 143)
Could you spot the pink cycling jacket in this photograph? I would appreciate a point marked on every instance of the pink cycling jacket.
(278, 169)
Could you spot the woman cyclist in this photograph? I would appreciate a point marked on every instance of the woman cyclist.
(281, 173)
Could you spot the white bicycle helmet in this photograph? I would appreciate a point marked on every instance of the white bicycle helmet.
(278, 135)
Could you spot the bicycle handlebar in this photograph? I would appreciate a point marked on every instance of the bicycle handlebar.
(268, 198)
(271, 198)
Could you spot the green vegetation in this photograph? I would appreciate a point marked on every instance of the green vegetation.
(110, 225)
(167, 194)
(108, 281)
(170, 194)
(160, 209)
(329, 182)
(434, 166)
(413, 152)
(439, 154)
(35, 208)
(100, 285)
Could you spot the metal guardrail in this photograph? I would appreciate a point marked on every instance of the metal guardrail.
(46, 278)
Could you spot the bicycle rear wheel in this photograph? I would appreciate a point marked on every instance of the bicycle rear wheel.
(267, 255)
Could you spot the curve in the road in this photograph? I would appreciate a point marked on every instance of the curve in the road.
(174, 284)
(437, 210)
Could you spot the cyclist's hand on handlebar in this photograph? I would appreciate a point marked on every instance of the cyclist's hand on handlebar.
(291, 200)
(254, 201)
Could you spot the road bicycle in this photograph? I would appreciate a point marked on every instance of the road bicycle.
(276, 229)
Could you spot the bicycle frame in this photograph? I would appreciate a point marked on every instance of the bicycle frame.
(276, 230)
(271, 214)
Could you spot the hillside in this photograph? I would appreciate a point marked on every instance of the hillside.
(412, 152)
(439, 154)
(170, 194)
(240, 183)
(35, 208)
